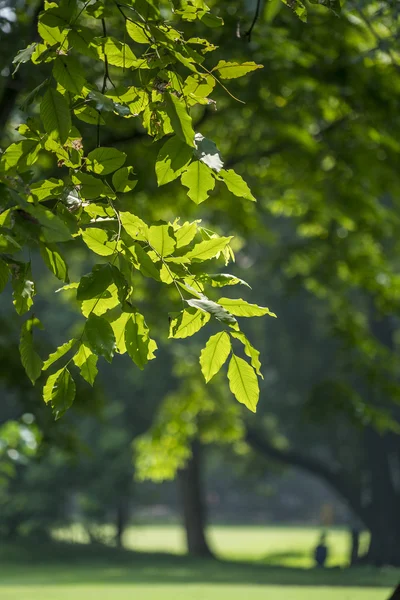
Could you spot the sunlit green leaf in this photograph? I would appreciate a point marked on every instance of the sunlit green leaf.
(243, 382)
(162, 240)
(121, 180)
(236, 184)
(187, 323)
(214, 355)
(199, 180)
(181, 121)
(172, 160)
(54, 261)
(59, 353)
(86, 362)
(59, 391)
(139, 345)
(241, 308)
(208, 249)
(97, 240)
(231, 70)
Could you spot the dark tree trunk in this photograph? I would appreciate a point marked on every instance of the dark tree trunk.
(396, 594)
(122, 519)
(355, 547)
(193, 504)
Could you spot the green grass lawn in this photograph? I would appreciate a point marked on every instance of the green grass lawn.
(62, 571)
(288, 546)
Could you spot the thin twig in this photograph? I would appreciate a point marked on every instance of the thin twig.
(255, 19)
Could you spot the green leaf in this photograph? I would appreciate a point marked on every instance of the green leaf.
(95, 283)
(47, 189)
(105, 160)
(333, 5)
(222, 279)
(117, 53)
(187, 323)
(214, 355)
(231, 70)
(97, 240)
(134, 226)
(54, 261)
(172, 160)
(121, 180)
(250, 351)
(180, 119)
(59, 353)
(8, 245)
(55, 115)
(51, 27)
(69, 74)
(139, 345)
(241, 308)
(200, 181)
(214, 309)
(4, 274)
(118, 325)
(21, 155)
(236, 184)
(86, 362)
(100, 336)
(90, 115)
(30, 360)
(102, 102)
(59, 391)
(243, 382)
(185, 234)
(90, 187)
(23, 56)
(143, 262)
(200, 85)
(138, 32)
(102, 303)
(208, 249)
(161, 239)
(23, 286)
(207, 152)
(298, 7)
(211, 20)
(53, 227)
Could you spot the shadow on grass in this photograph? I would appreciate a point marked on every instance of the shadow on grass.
(62, 563)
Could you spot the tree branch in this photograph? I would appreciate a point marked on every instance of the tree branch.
(255, 19)
(336, 479)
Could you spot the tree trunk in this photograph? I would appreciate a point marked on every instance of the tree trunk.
(355, 547)
(384, 523)
(193, 504)
(396, 594)
(122, 519)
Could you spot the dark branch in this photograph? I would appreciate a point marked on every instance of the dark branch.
(255, 19)
(335, 478)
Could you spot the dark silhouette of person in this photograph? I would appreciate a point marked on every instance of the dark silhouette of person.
(321, 551)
